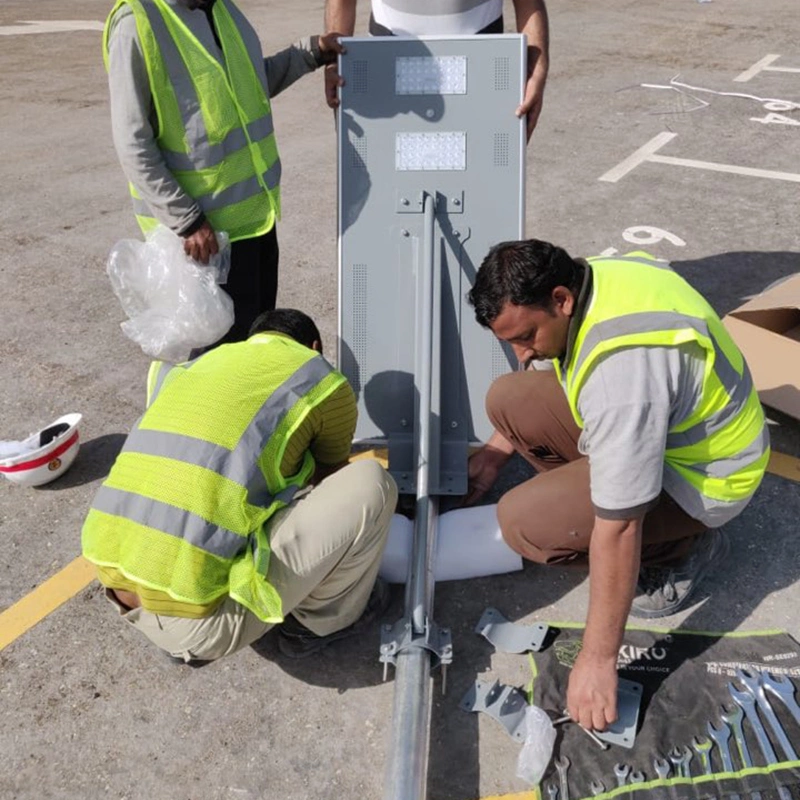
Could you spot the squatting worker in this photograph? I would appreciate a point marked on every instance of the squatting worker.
(192, 125)
(451, 18)
(647, 436)
(231, 506)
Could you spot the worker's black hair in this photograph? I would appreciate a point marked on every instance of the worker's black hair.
(290, 321)
(523, 273)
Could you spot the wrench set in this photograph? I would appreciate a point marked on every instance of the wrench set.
(749, 706)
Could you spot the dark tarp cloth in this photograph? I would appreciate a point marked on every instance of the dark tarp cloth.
(685, 678)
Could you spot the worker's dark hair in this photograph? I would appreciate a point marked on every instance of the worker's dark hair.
(290, 321)
(522, 273)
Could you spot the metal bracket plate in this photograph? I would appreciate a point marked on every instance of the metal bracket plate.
(400, 636)
(510, 637)
(503, 703)
(413, 202)
(623, 731)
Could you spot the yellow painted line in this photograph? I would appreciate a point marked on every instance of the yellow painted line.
(785, 466)
(34, 607)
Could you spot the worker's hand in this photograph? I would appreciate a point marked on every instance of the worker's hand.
(330, 47)
(592, 692)
(482, 470)
(333, 80)
(531, 105)
(202, 244)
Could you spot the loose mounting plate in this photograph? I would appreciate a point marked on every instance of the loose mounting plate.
(504, 703)
(510, 637)
(623, 731)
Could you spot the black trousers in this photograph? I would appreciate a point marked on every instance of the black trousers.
(252, 282)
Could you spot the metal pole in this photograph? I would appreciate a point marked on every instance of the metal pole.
(407, 767)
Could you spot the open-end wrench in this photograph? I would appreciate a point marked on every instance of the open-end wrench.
(637, 777)
(748, 705)
(622, 771)
(755, 687)
(734, 719)
(702, 746)
(782, 688)
(562, 765)
(721, 737)
(661, 766)
(681, 758)
(597, 788)
(552, 791)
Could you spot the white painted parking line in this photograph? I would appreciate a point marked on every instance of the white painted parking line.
(27, 26)
(649, 152)
(765, 65)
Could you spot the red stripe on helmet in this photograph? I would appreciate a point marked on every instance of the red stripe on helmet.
(46, 459)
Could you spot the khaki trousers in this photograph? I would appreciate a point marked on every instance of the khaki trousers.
(326, 548)
(549, 518)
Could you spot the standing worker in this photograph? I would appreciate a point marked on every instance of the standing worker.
(451, 18)
(231, 507)
(192, 126)
(648, 436)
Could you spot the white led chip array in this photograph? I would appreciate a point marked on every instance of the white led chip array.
(431, 151)
(430, 75)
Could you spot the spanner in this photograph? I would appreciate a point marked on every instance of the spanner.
(734, 719)
(597, 788)
(681, 759)
(702, 746)
(562, 765)
(637, 777)
(748, 705)
(552, 791)
(755, 687)
(661, 766)
(783, 689)
(721, 737)
(622, 771)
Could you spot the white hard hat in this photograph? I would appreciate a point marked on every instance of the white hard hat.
(44, 455)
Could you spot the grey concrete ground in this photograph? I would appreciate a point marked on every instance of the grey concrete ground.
(89, 711)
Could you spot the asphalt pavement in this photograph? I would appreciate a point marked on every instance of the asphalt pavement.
(90, 710)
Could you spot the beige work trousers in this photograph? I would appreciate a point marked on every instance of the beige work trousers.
(326, 548)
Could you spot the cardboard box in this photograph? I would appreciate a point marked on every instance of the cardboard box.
(767, 331)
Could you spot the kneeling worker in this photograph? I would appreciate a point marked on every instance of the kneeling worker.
(231, 507)
(647, 436)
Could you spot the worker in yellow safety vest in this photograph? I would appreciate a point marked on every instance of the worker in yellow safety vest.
(647, 435)
(192, 125)
(232, 507)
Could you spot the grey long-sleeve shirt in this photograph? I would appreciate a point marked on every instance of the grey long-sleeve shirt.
(134, 123)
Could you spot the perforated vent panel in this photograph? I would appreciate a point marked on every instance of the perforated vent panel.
(358, 154)
(502, 74)
(500, 365)
(359, 341)
(359, 80)
(501, 149)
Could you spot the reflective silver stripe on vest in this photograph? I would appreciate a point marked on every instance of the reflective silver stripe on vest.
(737, 386)
(170, 520)
(202, 154)
(724, 468)
(239, 465)
(163, 370)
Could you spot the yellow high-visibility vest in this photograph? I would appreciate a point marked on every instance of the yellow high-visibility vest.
(638, 301)
(215, 128)
(184, 507)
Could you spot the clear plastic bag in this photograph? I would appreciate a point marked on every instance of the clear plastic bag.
(173, 303)
(540, 736)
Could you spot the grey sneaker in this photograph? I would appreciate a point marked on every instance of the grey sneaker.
(664, 590)
(297, 641)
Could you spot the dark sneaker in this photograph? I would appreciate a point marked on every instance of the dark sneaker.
(297, 641)
(664, 590)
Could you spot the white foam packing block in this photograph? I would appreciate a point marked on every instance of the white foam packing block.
(469, 545)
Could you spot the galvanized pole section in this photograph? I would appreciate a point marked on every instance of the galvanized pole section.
(407, 768)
